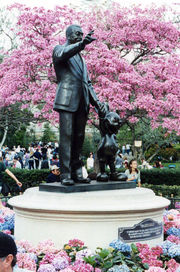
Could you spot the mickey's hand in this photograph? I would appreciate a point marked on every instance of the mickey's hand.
(88, 39)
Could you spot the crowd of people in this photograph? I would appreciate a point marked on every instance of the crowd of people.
(40, 156)
(36, 156)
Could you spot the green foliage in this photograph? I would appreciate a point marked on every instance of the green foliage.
(164, 190)
(160, 176)
(18, 137)
(48, 134)
(107, 258)
(164, 181)
(87, 147)
(29, 178)
(165, 153)
(124, 136)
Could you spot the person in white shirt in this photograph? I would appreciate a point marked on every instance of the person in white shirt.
(123, 149)
(16, 163)
(128, 148)
(8, 252)
(18, 149)
(90, 162)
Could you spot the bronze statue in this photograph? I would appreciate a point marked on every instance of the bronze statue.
(110, 123)
(73, 96)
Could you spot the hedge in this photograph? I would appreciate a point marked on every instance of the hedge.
(164, 190)
(31, 178)
(160, 176)
(28, 178)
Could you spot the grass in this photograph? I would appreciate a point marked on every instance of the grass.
(177, 164)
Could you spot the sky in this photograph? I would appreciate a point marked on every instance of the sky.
(50, 4)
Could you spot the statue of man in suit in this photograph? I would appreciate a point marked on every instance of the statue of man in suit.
(73, 96)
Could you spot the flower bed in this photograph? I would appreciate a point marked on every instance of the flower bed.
(7, 217)
(119, 257)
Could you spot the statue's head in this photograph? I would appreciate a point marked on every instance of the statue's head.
(74, 34)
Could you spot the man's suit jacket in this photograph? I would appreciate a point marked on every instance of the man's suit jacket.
(72, 77)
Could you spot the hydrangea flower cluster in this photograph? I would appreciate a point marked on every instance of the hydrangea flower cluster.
(123, 247)
(171, 220)
(45, 257)
(7, 217)
(119, 268)
(26, 260)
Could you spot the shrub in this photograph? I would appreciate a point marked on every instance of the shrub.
(28, 178)
(32, 178)
(160, 176)
(164, 190)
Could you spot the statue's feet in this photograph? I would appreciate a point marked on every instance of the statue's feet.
(102, 177)
(118, 177)
(67, 181)
(82, 180)
(77, 176)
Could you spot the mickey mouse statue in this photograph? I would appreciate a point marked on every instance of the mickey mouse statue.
(109, 123)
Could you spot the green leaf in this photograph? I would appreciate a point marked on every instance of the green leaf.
(104, 253)
(134, 248)
(146, 266)
(117, 259)
(108, 264)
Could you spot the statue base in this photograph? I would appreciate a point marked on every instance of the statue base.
(95, 217)
(57, 187)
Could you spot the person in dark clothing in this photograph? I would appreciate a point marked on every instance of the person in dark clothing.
(44, 164)
(7, 171)
(37, 157)
(54, 176)
(44, 150)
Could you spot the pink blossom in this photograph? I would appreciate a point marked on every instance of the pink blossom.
(24, 261)
(172, 265)
(133, 64)
(76, 243)
(156, 269)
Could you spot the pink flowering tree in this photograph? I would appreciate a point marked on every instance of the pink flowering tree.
(133, 64)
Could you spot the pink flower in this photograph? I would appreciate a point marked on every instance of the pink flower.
(1, 220)
(24, 261)
(76, 243)
(156, 269)
(174, 239)
(172, 265)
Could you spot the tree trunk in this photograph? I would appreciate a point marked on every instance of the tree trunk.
(133, 139)
(5, 134)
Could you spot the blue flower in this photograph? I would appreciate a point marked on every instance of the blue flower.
(8, 223)
(174, 251)
(123, 247)
(173, 231)
(166, 245)
(119, 268)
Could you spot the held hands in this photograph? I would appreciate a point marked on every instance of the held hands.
(88, 39)
(102, 109)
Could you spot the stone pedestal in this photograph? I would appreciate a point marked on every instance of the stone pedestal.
(95, 217)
